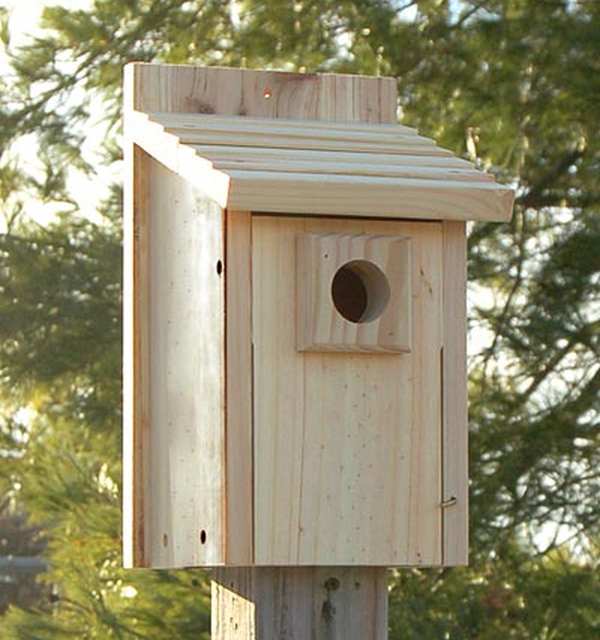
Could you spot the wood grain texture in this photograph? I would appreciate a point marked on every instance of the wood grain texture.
(302, 125)
(279, 185)
(135, 354)
(455, 420)
(238, 271)
(179, 158)
(335, 167)
(299, 603)
(368, 196)
(187, 117)
(285, 132)
(240, 482)
(178, 383)
(387, 325)
(347, 446)
(264, 94)
(320, 159)
(290, 139)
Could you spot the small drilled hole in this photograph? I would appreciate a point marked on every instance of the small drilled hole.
(219, 267)
(165, 539)
(332, 584)
(360, 291)
(203, 536)
(267, 94)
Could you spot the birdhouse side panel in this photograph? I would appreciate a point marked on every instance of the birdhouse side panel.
(174, 449)
(347, 446)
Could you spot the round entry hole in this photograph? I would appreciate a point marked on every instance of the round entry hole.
(360, 291)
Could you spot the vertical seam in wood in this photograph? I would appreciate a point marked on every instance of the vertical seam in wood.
(225, 551)
(137, 426)
(252, 415)
(303, 356)
(442, 451)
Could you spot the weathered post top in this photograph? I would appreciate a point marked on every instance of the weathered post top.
(295, 269)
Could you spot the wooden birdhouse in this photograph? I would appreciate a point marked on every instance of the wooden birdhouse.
(295, 378)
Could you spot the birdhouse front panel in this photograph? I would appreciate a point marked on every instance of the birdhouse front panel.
(348, 337)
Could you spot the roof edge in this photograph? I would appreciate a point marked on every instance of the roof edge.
(179, 158)
(321, 194)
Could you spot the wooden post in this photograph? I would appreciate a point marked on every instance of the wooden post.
(300, 603)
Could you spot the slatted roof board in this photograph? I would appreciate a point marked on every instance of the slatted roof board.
(319, 167)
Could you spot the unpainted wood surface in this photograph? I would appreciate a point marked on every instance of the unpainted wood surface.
(284, 138)
(135, 353)
(180, 158)
(290, 133)
(408, 169)
(264, 94)
(265, 182)
(294, 99)
(318, 161)
(368, 196)
(178, 383)
(240, 481)
(193, 105)
(300, 603)
(347, 446)
(455, 425)
(301, 126)
(319, 326)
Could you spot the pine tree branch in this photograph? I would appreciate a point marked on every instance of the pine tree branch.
(534, 197)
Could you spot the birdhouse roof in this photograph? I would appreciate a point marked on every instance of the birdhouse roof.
(319, 167)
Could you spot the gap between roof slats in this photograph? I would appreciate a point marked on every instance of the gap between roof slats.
(274, 141)
(216, 153)
(338, 168)
(170, 119)
(206, 126)
(357, 180)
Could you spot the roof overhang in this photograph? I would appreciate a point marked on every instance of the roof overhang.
(319, 167)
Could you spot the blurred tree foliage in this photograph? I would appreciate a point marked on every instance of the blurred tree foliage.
(511, 84)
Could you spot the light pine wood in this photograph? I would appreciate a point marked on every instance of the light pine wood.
(368, 196)
(267, 610)
(360, 163)
(280, 138)
(284, 188)
(357, 613)
(335, 167)
(300, 603)
(455, 420)
(320, 327)
(240, 483)
(343, 122)
(263, 94)
(187, 379)
(135, 360)
(179, 158)
(178, 427)
(135, 354)
(347, 447)
(172, 116)
(288, 132)
(330, 488)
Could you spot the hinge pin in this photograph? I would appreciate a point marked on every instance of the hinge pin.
(450, 502)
